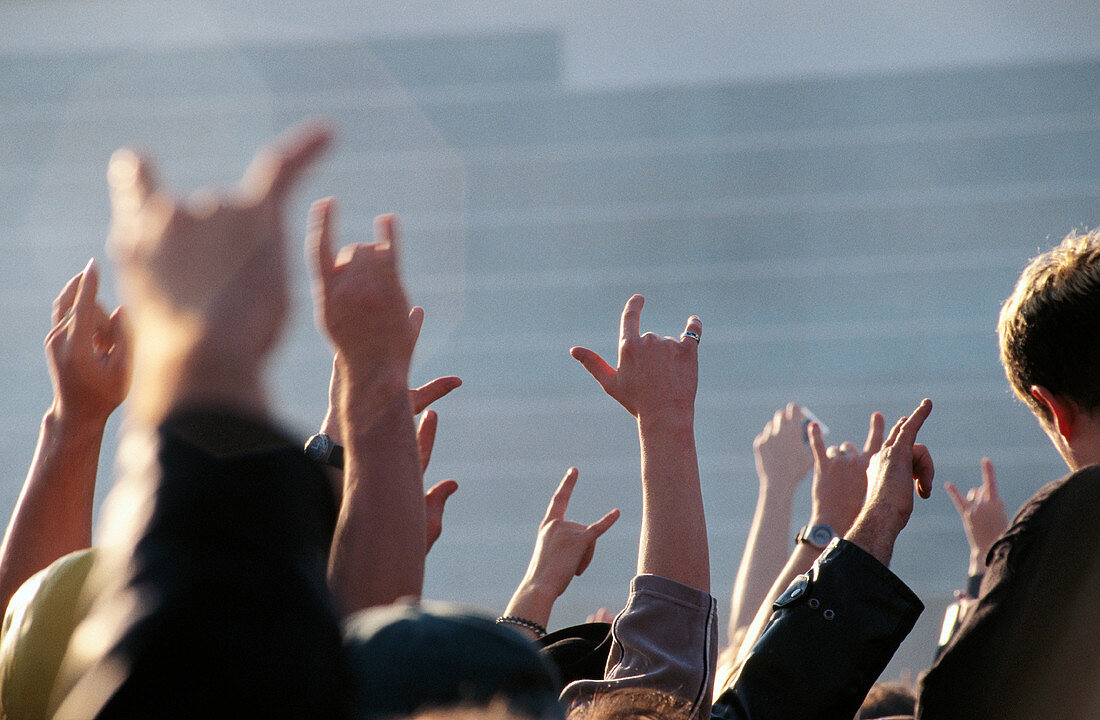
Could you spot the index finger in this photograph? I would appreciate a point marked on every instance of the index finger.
(84, 305)
(416, 321)
(278, 166)
(989, 477)
(909, 429)
(560, 502)
(817, 443)
(631, 323)
(874, 434)
(64, 301)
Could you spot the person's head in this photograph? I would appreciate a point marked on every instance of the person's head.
(887, 700)
(1049, 331)
(632, 703)
(411, 657)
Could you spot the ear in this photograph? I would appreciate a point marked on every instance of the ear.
(1063, 412)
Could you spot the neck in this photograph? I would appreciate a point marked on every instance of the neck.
(1084, 449)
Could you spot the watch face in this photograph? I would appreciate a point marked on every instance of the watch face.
(821, 535)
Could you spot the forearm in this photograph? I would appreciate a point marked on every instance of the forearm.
(766, 551)
(54, 514)
(379, 546)
(674, 531)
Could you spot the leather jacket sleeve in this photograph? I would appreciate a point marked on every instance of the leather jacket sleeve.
(832, 634)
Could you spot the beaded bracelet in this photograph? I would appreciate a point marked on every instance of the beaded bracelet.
(524, 623)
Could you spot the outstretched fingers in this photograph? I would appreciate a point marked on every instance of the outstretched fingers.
(425, 438)
(416, 321)
(923, 470)
(874, 434)
(596, 366)
(817, 443)
(429, 392)
(593, 533)
(693, 331)
(957, 498)
(278, 167)
(989, 478)
(631, 323)
(909, 429)
(85, 308)
(319, 253)
(602, 525)
(435, 500)
(131, 181)
(386, 236)
(64, 302)
(559, 503)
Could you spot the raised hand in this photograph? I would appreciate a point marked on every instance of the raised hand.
(655, 375)
(983, 515)
(205, 280)
(563, 550)
(358, 296)
(88, 352)
(783, 458)
(840, 476)
(894, 471)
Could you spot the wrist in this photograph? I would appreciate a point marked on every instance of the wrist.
(778, 492)
(678, 427)
(533, 601)
(61, 421)
(874, 536)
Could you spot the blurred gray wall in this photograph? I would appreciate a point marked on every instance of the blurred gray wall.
(844, 194)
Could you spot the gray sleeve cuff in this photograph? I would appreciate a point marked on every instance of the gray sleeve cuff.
(663, 640)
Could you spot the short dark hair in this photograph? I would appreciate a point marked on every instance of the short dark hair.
(1049, 327)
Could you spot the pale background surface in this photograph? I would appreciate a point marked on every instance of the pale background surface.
(844, 192)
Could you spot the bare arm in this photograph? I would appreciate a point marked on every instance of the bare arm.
(379, 546)
(655, 381)
(783, 459)
(420, 398)
(88, 353)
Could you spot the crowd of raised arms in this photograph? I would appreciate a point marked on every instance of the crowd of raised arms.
(235, 575)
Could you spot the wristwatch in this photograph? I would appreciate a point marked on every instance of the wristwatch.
(321, 448)
(818, 536)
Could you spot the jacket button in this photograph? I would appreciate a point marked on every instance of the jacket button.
(813, 603)
(829, 614)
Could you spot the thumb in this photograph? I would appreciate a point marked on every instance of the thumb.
(596, 366)
(923, 470)
(319, 241)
